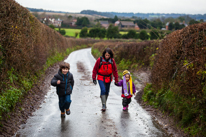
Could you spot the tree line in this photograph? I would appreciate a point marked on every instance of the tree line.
(113, 33)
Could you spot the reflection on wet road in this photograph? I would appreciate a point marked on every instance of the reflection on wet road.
(86, 119)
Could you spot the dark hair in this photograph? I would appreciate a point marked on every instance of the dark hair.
(64, 65)
(108, 50)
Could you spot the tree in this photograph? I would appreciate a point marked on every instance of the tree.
(102, 33)
(112, 32)
(171, 26)
(131, 34)
(84, 21)
(177, 26)
(115, 19)
(143, 35)
(142, 23)
(193, 22)
(83, 32)
(154, 34)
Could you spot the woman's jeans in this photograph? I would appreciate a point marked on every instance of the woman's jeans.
(104, 87)
(64, 102)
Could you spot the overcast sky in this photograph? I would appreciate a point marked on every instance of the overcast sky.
(143, 6)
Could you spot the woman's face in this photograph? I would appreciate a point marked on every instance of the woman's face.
(107, 55)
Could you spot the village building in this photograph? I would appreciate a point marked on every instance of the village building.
(104, 24)
(127, 25)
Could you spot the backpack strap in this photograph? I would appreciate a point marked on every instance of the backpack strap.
(100, 64)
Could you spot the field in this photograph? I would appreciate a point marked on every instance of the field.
(71, 32)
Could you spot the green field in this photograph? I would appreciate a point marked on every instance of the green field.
(71, 32)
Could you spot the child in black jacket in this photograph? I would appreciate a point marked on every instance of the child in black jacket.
(64, 82)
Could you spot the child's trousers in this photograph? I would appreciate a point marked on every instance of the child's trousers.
(126, 101)
(64, 102)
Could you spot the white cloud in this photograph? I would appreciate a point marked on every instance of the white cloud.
(145, 6)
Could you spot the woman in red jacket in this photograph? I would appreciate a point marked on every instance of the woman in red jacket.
(104, 67)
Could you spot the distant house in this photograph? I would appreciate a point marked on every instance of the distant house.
(104, 24)
(117, 23)
(126, 25)
(74, 22)
(51, 21)
(167, 25)
(69, 23)
(57, 23)
(136, 27)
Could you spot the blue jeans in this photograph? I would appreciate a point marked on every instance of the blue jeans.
(104, 87)
(64, 102)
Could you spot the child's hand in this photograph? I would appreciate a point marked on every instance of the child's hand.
(58, 82)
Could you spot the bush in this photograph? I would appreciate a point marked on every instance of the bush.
(52, 26)
(131, 34)
(154, 34)
(83, 32)
(63, 32)
(143, 35)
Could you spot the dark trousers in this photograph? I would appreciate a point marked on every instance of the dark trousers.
(64, 102)
(104, 87)
(126, 101)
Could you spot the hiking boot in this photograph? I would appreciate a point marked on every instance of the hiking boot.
(68, 112)
(62, 114)
(103, 107)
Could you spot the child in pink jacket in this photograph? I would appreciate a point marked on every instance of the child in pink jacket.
(128, 89)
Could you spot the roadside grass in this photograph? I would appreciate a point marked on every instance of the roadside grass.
(188, 111)
(21, 85)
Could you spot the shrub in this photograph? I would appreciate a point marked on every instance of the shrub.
(83, 32)
(143, 35)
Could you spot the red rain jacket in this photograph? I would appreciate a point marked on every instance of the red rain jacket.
(105, 71)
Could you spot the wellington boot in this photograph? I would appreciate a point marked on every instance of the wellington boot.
(103, 99)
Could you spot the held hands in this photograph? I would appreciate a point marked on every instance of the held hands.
(95, 82)
(58, 82)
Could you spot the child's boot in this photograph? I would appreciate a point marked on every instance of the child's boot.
(124, 108)
(68, 112)
(103, 99)
(127, 107)
(62, 114)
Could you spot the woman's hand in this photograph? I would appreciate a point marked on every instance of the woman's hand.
(95, 82)
(58, 82)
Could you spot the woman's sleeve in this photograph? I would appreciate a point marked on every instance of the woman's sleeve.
(115, 74)
(95, 69)
(119, 83)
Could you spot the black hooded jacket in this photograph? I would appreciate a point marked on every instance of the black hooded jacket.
(66, 85)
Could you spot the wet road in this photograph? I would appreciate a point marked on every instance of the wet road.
(86, 119)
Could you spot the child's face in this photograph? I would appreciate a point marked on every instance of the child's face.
(107, 55)
(65, 71)
(127, 77)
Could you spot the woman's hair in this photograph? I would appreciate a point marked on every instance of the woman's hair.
(108, 50)
(64, 65)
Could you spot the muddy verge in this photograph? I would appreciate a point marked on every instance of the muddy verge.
(28, 104)
(164, 120)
